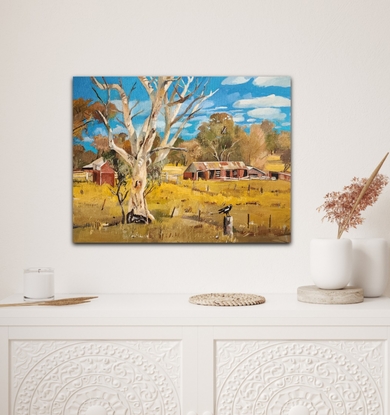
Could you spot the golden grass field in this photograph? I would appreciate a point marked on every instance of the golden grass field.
(187, 211)
(274, 163)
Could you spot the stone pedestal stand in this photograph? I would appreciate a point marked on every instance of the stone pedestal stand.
(315, 295)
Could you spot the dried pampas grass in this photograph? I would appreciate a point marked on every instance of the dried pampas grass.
(345, 207)
(61, 302)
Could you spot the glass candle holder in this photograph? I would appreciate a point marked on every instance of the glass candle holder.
(38, 284)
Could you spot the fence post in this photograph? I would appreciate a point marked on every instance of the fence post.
(269, 222)
(248, 220)
(228, 225)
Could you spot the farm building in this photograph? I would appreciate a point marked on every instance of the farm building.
(215, 170)
(254, 172)
(101, 172)
(285, 176)
(279, 175)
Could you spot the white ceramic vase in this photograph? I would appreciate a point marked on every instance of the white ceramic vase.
(331, 263)
(370, 265)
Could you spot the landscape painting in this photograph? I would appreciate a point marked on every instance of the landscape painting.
(182, 159)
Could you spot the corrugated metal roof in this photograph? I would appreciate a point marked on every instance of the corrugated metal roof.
(218, 165)
(255, 169)
(98, 162)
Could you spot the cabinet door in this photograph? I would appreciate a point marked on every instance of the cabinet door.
(101, 371)
(300, 371)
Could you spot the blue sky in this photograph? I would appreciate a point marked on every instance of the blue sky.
(249, 100)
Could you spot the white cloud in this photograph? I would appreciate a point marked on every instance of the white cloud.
(221, 108)
(283, 81)
(236, 80)
(207, 104)
(177, 125)
(262, 102)
(251, 120)
(119, 129)
(100, 131)
(160, 124)
(285, 124)
(201, 118)
(87, 140)
(206, 111)
(267, 114)
(185, 134)
(118, 104)
(238, 118)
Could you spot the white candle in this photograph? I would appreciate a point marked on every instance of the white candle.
(38, 283)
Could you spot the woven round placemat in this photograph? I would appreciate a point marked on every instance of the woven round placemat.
(227, 299)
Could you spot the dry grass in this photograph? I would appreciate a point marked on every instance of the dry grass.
(274, 163)
(187, 212)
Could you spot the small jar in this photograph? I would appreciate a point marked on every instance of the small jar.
(38, 284)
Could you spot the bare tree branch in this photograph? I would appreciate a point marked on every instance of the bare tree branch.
(120, 121)
(131, 90)
(146, 84)
(126, 110)
(173, 115)
(82, 125)
(129, 159)
(137, 113)
(99, 98)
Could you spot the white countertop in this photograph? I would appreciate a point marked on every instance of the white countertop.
(174, 309)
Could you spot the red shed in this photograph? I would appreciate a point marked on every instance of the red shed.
(215, 170)
(102, 172)
(255, 173)
(285, 176)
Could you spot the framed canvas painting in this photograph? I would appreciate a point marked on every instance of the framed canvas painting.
(182, 159)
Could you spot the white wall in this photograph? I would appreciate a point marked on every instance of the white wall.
(337, 53)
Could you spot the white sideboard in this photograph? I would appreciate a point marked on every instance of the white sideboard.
(160, 355)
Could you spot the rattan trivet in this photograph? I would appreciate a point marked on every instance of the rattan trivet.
(227, 299)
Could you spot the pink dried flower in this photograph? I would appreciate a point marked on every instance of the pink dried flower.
(339, 205)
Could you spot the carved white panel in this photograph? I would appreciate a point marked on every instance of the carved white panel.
(299, 377)
(96, 377)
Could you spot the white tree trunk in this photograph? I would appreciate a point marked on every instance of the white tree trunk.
(138, 211)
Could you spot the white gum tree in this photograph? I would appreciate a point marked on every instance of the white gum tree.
(177, 99)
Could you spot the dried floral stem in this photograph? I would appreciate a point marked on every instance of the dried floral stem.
(61, 302)
(363, 191)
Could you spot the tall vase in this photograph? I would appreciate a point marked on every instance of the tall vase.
(331, 263)
(370, 265)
